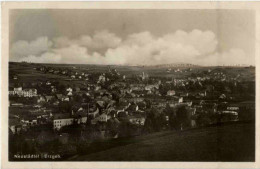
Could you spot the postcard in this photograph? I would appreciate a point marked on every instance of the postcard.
(130, 84)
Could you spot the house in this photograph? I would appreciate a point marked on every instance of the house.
(222, 96)
(137, 87)
(102, 118)
(113, 113)
(51, 71)
(16, 91)
(233, 107)
(53, 89)
(30, 121)
(124, 91)
(64, 72)
(138, 120)
(175, 100)
(66, 98)
(41, 99)
(101, 103)
(229, 116)
(93, 113)
(69, 91)
(48, 83)
(60, 97)
(171, 93)
(48, 98)
(151, 87)
(80, 116)
(144, 76)
(15, 126)
(141, 105)
(15, 77)
(192, 111)
(29, 92)
(61, 120)
(42, 69)
(101, 79)
(56, 72)
(97, 87)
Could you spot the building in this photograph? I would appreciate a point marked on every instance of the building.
(23, 93)
(41, 99)
(138, 120)
(15, 126)
(102, 118)
(16, 91)
(61, 120)
(29, 92)
(171, 93)
(69, 91)
(30, 121)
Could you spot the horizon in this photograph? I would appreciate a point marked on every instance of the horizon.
(165, 65)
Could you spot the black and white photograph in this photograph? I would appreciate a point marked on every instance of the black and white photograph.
(131, 85)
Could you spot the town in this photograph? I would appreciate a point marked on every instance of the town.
(80, 109)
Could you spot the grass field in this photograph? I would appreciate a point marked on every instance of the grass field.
(234, 142)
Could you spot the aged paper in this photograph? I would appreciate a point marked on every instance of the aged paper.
(130, 84)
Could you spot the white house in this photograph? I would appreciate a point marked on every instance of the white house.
(171, 93)
(23, 93)
(61, 120)
(69, 90)
(102, 118)
(29, 92)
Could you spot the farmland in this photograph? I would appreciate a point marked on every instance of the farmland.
(234, 142)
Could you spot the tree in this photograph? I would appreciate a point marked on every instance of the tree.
(61, 88)
(65, 107)
(180, 119)
(155, 121)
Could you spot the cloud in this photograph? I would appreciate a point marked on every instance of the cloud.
(23, 48)
(61, 42)
(101, 40)
(197, 47)
(144, 48)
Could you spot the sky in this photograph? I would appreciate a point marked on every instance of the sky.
(133, 36)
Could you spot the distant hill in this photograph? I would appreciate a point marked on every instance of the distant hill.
(169, 65)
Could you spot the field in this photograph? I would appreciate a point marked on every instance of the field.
(231, 142)
(27, 73)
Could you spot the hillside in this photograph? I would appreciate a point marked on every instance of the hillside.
(233, 142)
